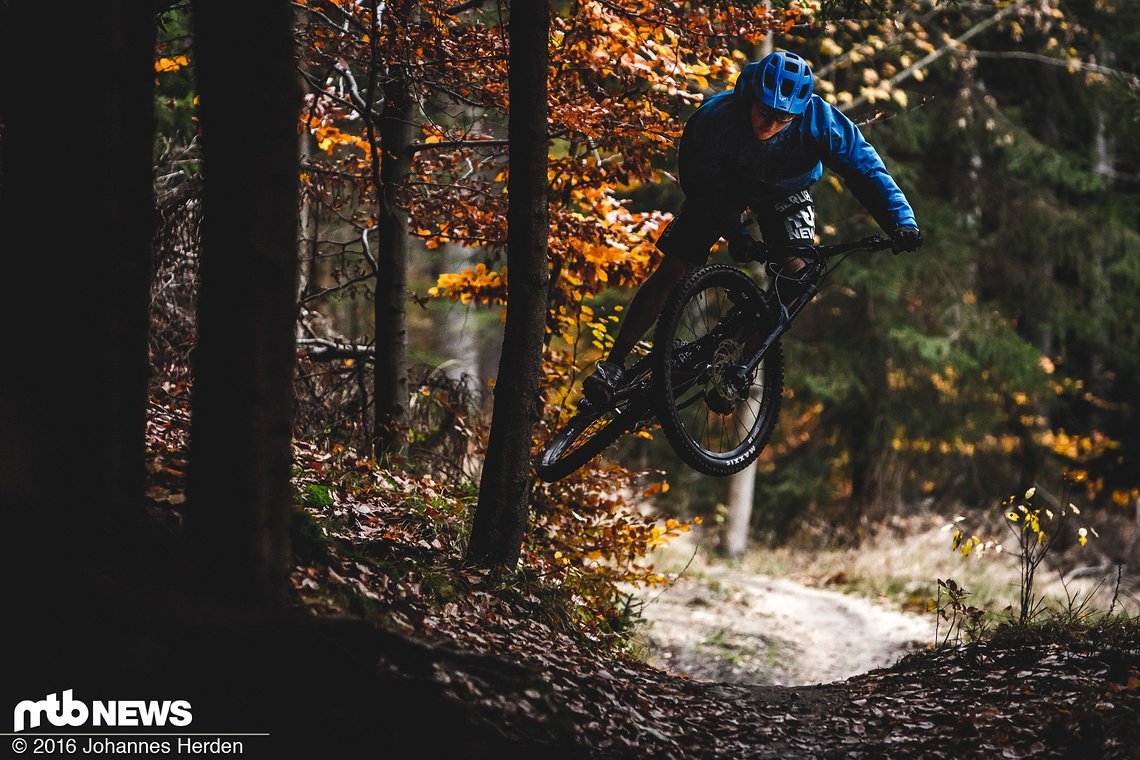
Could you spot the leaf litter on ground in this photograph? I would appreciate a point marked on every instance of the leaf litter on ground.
(517, 665)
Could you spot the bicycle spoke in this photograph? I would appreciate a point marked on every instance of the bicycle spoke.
(714, 423)
(682, 405)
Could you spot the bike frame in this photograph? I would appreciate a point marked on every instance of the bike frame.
(819, 257)
(633, 401)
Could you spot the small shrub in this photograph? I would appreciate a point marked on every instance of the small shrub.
(1037, 522)
(962, 619)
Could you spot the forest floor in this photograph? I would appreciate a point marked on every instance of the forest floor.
(785, 654)
(738, 664)
(796, 617)
(397, 646)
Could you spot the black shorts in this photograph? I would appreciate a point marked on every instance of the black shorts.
(784, 222)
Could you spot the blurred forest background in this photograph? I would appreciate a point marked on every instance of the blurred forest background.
(1004, 353)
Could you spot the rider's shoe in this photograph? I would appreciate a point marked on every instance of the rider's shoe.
(600, 386)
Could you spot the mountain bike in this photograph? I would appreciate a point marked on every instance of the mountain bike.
(715, 374)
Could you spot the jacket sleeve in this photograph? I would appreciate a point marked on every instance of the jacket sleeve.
(848, 154)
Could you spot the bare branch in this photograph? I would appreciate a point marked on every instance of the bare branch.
(335, 288)
(1130, 79)
(321, 350)
(320, 90)
(930, 58)
(368, 251)
(348, 17)
(417, 147)
(885, 116)
(466, 5)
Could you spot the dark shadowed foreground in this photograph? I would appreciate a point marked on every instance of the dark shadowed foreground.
(393, 647)
(493, 683)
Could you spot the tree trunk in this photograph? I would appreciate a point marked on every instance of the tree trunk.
(239, 487)
(742, 485)
(83, 230)
(391, 304)
(308, 248)
(76, 226)
(1104, 149)
(501, 515)
(741, 490)
(875, 471)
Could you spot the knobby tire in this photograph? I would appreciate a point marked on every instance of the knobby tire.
(591, 430)
(672, 399)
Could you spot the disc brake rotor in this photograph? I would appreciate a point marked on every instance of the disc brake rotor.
(722, 394)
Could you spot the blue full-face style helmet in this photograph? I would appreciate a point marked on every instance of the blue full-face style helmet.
(783, 81)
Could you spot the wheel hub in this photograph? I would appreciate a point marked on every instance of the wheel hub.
(727, 380)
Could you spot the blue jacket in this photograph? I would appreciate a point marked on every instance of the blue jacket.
(723, 165)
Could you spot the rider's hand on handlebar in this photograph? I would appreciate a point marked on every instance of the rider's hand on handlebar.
(906, 239)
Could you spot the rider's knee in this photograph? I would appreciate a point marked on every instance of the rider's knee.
(673, 269)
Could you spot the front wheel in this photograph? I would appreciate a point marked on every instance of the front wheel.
(717, 417)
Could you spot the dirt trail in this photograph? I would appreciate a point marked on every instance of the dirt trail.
(721, 624)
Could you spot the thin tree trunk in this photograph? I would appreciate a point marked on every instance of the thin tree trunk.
(310, 230)
(1104, 149)
(501, 515)
(391, 369)
(742, 485)
(239, 486)
(741, 490)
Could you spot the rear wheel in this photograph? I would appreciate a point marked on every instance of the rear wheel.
(717, 417)
(592, 429)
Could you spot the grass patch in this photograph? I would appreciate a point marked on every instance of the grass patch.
(1113, 631)
(724, 647)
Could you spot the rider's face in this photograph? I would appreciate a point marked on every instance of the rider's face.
(767, 123)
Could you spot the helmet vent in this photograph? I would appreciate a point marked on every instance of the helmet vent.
(781, 80)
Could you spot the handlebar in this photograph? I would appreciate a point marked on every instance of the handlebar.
(871, 243)
(760, 251)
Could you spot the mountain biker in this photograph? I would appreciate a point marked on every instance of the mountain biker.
(758, 147)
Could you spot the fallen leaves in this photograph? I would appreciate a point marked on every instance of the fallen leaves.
(511, 663)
